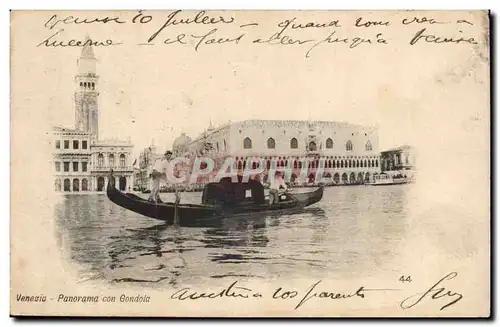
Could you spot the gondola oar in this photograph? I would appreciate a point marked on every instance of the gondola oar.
(176, 202)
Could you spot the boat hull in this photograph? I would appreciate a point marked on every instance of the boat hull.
(387, 183)
(196, 214)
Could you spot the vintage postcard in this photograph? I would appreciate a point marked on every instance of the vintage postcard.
(208, 163)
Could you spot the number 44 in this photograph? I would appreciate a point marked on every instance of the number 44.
(404, 279)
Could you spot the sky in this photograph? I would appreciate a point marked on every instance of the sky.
(157, 92)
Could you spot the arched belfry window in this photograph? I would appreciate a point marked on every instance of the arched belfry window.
(348, 146)
(329, 143)
(294, 144)
(247, 143)
(368, 146)
(271, 144)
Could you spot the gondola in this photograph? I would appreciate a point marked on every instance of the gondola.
(222, 199)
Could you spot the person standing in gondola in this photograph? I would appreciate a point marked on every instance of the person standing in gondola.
(158, 173)
(276, 183)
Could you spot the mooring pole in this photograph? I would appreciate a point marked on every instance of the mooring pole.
(177, 200)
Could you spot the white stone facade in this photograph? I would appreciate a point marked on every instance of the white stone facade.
(82, 161)
(349, 153)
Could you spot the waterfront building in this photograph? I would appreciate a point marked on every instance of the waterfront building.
(146, 160)
(348, 152)
(71, 159)
(137, 178)
(401, 159)
(81, 160)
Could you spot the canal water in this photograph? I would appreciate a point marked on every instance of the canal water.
(353, 230)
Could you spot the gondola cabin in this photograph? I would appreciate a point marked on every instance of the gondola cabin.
(229, 192)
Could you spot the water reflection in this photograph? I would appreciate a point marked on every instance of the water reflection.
(354, 229)
(150, 242)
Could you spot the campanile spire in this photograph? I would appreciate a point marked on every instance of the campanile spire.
(86, 94)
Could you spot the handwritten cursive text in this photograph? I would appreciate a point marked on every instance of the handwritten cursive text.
(54, 20)
(435, 292)
(51, 41)
(232, 291)
(200, 18)
(328, 295)
(430, 38)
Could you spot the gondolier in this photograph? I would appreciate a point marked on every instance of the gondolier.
(276, 183)
(158, 173)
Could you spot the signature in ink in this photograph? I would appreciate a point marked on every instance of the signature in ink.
(436, 291)
(232, 291)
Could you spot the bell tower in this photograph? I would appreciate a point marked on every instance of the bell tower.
(86, 94)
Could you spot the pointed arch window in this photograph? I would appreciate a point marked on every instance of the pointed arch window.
(348, 146)
(294, 144)
(271, 144)
(368, 146)
(247, 143)
(329, 143)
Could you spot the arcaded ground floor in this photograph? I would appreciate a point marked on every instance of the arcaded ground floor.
(91, 183)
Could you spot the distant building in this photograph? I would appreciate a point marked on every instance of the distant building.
(146, 160)
(349, 152)
(181, 145)
(398, 159)
(71, 158)
(82, 161)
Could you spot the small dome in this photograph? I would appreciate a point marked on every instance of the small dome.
(181, 143)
